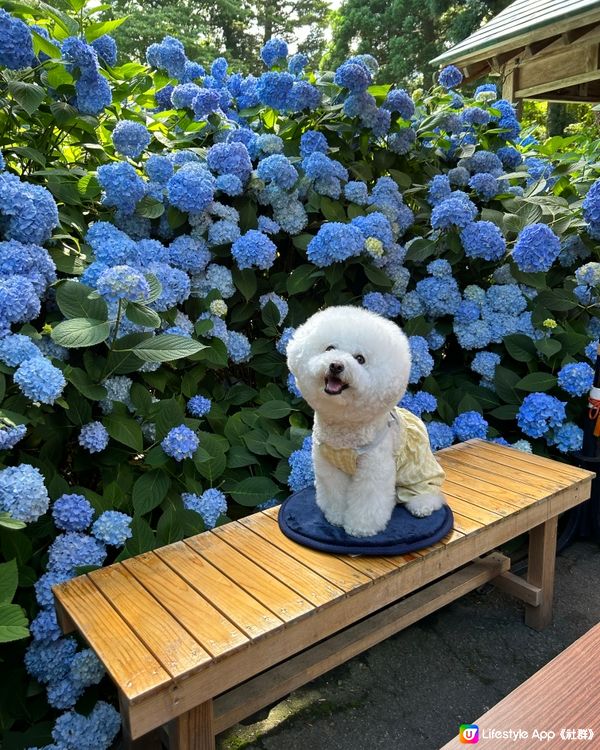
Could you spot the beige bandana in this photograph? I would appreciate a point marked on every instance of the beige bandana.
(344, 459)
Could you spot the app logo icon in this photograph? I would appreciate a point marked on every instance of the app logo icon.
(468, 734)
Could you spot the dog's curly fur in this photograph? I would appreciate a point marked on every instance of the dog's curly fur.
(352, 400)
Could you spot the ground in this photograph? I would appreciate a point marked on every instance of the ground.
(416, 688)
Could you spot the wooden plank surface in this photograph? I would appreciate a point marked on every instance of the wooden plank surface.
(246, 612)
(130, 664)
(168, 641)
(200, 618)
(562, 695)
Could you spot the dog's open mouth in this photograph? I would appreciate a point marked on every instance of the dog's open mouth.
(334, 386)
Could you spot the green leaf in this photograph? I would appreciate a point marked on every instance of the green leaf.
(469, 403)
(80, 332)
(167, 414)
(9, 522)
(142, 315)
(254, 490)
(28, 95)
(274, 409)
(302, 278)
(520, 347)
(557, 299)
(210, 466)
(548, 347)
(505, 381)
(13, 623)
(124, 430)
(167, 347)
(99, 28)
(143, 539)
(41, 44)
(150, 490)
(239, 456)
(72, 298)
(84, 384)
(245, 281)
(155, 288)
(537, 381)
(378, 277)
(9, 580)
(506, 412)
(150, 208)
(26, 152)
(333, 210)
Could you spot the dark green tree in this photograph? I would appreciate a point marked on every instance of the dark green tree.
(405, 34)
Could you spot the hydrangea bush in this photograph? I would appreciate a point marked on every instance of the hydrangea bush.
(163, 230)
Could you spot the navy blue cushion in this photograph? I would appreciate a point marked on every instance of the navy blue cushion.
(301, 519)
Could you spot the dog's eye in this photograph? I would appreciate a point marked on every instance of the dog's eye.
(330, 347)
(359, 358)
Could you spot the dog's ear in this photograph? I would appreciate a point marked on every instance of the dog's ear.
(296, 348)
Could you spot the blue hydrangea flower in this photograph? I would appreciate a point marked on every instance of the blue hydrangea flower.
(568, 438)
(123, 187)
(23, 493)
(49, 661)
(93, 437)
(591, 207)
(16, 348)
(72, 512)
(274, 52)
(302, 473)
(398, 100)
(205, 103)
(419, 403)
(123, 283)
(230, 158)
(19, 301)
(335, 242)
(106, 49)
(292, 386)
(192, 188)
(284, 340)
(269, 144)
(536, 249)
(278, 170)
(576, 378)
(469, 425)
(422, 361)
(538, 413)
(254, 249)
(439, 189)
(356, 192)
(16, 45)
(273, 89)
(180, 443)
(10, 435)
(45, 627)
(485, 185)
(485, 363)
(238, 347)
(86, 668)
(382, 304)
(352, 76)
(210, 505)
(439, 295)
(475, 116)
(40, 380)
(297, 63)
(130, 138)
(199, 406)
(169, 55)
(450, 77)
(189, 254)
(94, 732)
(303, 95)
(28, 212)
(440, 435)
(113, 528)
(459, 176)
(74, 550)
(159, 168)
(483, 239)
(43, 589)
(510, 157)
(216, 277)
(266, 225)
(312, 141)
(455, 211)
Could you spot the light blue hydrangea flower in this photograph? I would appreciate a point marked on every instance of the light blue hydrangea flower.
(485, 363)
(23, 493)
(40, 380)
(536, 249)
(86, 668)
(123, 283)
(16, 348)
(181, 442)
(335, 242)
(74, 550)
(469, 425)
(93, 437)
(254, 249)
(538, 413)
(422, 361)
(483, 239)
(210, 505)
(302, 473)
(440, 435)
(72, 512)
(281, 305)
(568, 438)
(419, 403)
(130, 138)
(16, 45)
(113, 527)
(576, 378)
(199, 406)
(191, 188)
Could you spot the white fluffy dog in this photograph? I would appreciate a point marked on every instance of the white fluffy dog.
(352, 367)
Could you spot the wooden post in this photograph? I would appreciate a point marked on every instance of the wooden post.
(193, 730)
(149, 741)
(540, 572)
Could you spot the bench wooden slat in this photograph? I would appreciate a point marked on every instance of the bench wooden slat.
(128, 661)
(540, 475)
(484, 489)
(474, 512)
(265, 588)
(205, 623)
(310, 585)
(475, 497)
(334, 570)
(247, 614)
(168, 641)
(509, 456)
(561, 695)
(509, 478)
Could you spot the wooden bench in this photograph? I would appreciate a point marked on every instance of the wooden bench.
(204, 632)
(560, 699)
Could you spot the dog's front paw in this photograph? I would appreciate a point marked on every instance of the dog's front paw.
(335, 519)
(361, 531)
(424, 505)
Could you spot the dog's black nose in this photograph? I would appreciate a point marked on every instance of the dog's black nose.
(335, 368)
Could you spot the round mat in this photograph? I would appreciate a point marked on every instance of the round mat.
(302, 520)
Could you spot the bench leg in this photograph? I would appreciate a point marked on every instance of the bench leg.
(540, 572)
(193, 730)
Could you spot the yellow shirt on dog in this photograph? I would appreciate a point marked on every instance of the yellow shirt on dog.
(417, 471)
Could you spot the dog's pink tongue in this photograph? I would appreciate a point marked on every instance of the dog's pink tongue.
(334, 385)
